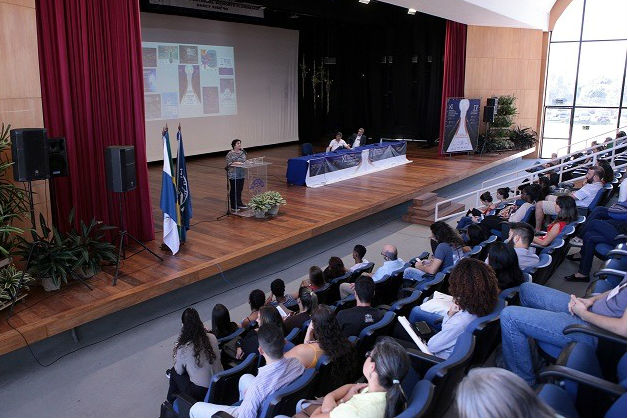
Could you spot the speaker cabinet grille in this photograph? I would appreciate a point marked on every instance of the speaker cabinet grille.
(29, 151)
(120, 167)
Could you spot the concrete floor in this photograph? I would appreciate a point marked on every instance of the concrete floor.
(117, 367)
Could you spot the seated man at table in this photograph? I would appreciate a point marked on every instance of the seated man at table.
(583, 196)
(358, 139)
(337, 143)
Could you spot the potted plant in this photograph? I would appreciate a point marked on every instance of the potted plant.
(13, 281)
(51, 260)
(523, 138)
(275, 200)
(89, 246)
(260, 204)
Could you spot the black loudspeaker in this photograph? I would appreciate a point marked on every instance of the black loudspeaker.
(58, 157)
(492, 101)
(29, 151)
(120, 167)
(489, 114)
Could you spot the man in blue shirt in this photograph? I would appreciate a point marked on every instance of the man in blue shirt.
(391, 263)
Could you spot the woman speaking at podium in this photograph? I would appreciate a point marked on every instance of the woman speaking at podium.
(235, 160)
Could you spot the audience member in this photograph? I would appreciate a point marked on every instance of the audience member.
(449, 250)
(584, 196)
(256, 300)
(324, 337)
(520, 236)
(543, 315)
(502, 195)
(546, 187)
(278, 295)
(504, 261)
(307, 304)
(474, 235)
(474, 215)
(278, 372)
(392, 262)
(498, 393)
(512, 213)
(473, 287)
(196, 358)
(359, 252)
(566, 213)
(248, 342)
(353, 320)
(380, 397)
(221, 322)
(335, 269)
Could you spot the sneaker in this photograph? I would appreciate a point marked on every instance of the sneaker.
(574, 278)
(576, 242)
(168, 373)
(242, 206)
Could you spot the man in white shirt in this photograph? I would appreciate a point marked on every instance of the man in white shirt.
(391, 264)
(336, 143)
(358, 139)
(583, 196)
(358, 257)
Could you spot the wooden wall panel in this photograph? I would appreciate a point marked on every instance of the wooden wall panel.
(20, 88)
(507, 61)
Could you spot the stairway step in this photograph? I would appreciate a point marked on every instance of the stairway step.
(423, 199)
(416, 216)
(430, 208)
(416, 220)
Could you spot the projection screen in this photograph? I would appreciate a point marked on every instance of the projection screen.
(220, 80)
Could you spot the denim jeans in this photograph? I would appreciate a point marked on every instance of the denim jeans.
(435, 321)
(542, 316)
(414, 274)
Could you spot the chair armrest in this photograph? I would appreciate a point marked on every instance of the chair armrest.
(423, 255)
(384, 307)
(221, 414)
(589, 329)
(565, 373)
(423, 358)
(607, 271)
(184, 403)
(617, 252)
(620, 236)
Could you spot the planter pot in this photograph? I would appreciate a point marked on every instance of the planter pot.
(259, 213)
(49, 285)
(273, 211)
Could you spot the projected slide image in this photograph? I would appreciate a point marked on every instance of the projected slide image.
(189, 81)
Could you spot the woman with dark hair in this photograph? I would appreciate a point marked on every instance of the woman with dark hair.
(335, 269)
(474, 291)
(474, 235)
(308, 302)
(235, 160)
(504, 261)
(257, 298)
(502, 194)
(221, 322)
(546, 187)
(448, 248)
(567, 213)
(512, 213)
(380, 397)
(475, 215)
(196, 358)
(315, 281)
(248, 342)
(324, 337)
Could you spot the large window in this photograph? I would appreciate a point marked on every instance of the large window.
(585, 94)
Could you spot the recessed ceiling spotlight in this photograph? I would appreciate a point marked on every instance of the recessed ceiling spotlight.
(411, 11)
(364, 1)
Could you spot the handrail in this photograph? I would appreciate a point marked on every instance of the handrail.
(614, 130)
(561, 159)
(532, 176)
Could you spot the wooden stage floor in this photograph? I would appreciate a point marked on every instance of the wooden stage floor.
(213, 245)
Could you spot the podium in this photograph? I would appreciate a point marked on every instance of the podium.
(255, 173)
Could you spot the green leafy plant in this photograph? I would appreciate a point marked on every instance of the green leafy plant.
(275, 198)
(13, 203)
(10, 278)
(89, 245)
(506, 111)
(261, 203)
(523, 138)
(51, 257)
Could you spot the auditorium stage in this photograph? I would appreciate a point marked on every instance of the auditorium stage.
(214, 246)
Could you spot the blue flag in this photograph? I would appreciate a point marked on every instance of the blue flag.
(183, 189)
(168, 201)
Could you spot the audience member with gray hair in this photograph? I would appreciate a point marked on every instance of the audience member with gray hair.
(498, 393)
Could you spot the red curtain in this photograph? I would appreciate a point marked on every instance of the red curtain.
(453, 71)
(90, 59)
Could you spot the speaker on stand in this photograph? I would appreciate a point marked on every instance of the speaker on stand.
(121, 178)
(490, 112)
(58, 163)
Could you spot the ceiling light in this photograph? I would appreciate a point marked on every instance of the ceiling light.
(411, 11)
(364, 1)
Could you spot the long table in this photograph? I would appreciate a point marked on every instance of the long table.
(324, 168)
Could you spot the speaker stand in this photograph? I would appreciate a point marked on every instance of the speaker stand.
(229, 211)
(122, 246)
(31, 204)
